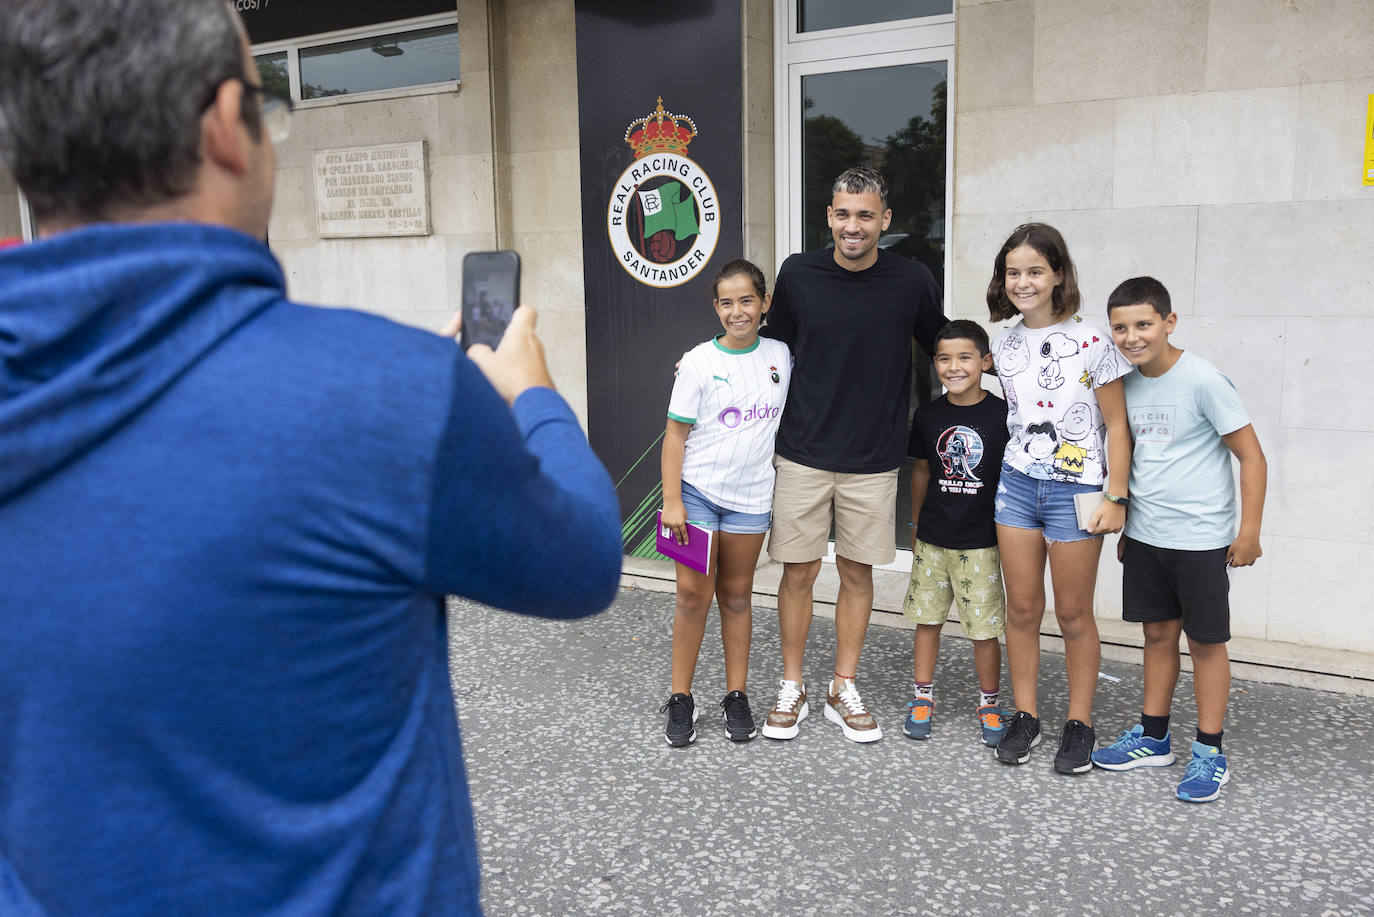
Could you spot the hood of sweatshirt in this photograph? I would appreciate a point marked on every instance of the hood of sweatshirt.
(97, 323)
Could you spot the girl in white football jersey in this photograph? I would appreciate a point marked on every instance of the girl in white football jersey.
(718, 474)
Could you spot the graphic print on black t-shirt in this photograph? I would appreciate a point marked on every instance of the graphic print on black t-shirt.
(961, 450)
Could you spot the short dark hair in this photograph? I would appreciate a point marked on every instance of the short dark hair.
(861, 180)
(741, 267)
(963, 329)
(1140, 291)
(1046, 240)
(100, 103)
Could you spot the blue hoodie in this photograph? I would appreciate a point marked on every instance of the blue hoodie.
(227, 522)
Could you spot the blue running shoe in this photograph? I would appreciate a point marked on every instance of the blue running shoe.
(1134, 748)
(1207, 774)
(993, 723)
(919, 713)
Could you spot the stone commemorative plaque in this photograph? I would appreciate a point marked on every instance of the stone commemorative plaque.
(372, 191)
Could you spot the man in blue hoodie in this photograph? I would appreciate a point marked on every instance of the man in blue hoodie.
(228, 521)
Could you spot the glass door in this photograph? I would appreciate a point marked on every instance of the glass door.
(871, 91)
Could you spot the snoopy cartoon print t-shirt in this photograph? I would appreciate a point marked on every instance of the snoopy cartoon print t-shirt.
(1048, 376)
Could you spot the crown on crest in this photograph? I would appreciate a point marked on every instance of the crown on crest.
(660, 132)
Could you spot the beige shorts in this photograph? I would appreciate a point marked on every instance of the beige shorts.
(971, 578)
(864, 507)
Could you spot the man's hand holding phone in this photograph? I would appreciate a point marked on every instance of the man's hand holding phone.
(517, 363)
(488, 317)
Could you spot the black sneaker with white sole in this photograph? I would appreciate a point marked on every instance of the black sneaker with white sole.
(739, 719)
(682, 713)
(1022, 734)
(1075, 748)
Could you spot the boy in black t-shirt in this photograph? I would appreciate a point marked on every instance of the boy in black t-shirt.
(957, 441)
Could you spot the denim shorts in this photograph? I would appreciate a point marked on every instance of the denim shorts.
(701, 511)
(1024, 502)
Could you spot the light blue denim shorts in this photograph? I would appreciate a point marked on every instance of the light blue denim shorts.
(1024, 502)
(701, 511)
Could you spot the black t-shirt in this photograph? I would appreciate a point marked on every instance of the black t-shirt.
(850, 334)
(964, 447)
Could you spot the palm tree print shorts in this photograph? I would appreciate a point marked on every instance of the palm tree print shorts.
(971, 578)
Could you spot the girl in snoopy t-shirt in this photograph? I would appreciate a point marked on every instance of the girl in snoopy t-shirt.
(1066, 419)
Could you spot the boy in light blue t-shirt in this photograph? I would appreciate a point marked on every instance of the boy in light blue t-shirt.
(1181, 536)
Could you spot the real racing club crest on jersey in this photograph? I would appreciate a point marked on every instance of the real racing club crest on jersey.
(663, 217)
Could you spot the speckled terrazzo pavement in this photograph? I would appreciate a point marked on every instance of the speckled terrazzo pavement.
(582, 808)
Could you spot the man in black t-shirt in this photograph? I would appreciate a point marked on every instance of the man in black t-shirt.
(849, 315)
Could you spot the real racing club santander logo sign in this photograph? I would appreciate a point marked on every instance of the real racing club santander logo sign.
(663, 218)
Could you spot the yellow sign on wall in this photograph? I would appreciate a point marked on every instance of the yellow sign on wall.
(1369, 143)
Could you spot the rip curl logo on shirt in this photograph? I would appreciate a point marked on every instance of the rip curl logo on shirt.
(663, 218)
(732, 416)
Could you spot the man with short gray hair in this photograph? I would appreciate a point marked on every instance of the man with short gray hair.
(849, 315)
(228, 521)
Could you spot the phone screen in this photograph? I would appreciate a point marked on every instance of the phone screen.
(491, 291)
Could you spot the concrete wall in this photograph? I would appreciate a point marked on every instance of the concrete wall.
(544, 181)
(1217, 146)
(499, 176)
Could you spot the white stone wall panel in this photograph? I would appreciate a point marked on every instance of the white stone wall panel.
(1307, 258)
(1326, 379)
(1253, 43)
(1317, 593)
(1093, 49)
(1055, 157)
(1205, 148)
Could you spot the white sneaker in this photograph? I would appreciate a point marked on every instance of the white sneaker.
(848, 710)
(784, 720)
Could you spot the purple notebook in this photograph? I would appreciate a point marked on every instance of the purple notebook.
(696, 553)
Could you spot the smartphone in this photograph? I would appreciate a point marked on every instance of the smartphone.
(491, 291)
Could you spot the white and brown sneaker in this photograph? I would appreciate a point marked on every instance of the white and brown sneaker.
(784, 720)
(848, 710)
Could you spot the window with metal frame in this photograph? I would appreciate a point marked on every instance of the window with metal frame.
(819, 15)
(370, 62)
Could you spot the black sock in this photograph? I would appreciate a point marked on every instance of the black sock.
(1210, 738)
(1156, 727)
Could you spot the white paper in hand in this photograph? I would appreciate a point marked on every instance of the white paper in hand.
(1084, 504)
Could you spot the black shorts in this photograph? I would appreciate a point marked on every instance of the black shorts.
(1162, 584)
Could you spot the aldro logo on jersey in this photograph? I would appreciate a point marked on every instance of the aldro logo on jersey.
(732, 416)
(663, 218)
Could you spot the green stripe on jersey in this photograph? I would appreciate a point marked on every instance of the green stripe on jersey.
(730, 350)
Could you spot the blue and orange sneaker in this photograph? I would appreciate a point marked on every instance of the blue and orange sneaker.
(993, 723)
(1133, 748)
(920, 711)
(1207, 774)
